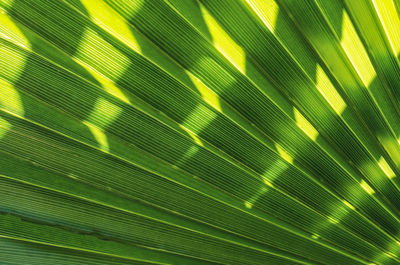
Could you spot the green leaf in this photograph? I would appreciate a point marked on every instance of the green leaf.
(199, 132)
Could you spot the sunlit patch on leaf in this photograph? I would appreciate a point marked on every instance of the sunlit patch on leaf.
(108, 85)
(329, 92)
(199, 118)
(315, 236)
(234, 173)
(4, 127)
(10, 31)
(367, 187)
(12, 62)
(10, 99)
(274, 171)
(356, 52)
(103, 114)
(208, 95)
(389, 18)
(99, 54)
(268, 183)
(349, 205)
(333, 220)
(110, 20)
(194, 136)
(248, 205)
(99, 136)
(223, 42)
(284, 154)
(386, 168)
(267, 10)
(305, 125)
(392, 147)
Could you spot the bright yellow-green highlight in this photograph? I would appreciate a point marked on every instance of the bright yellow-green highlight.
(267, 182)
(108, 85)
(355, 50)
(284, 154)
(392, 147)
(305, 125)
(386, 168)
(195, 138)
(12, 62)
(10, 98)
(339, 211)
(111, 21)
(315, 236)
(248, 205)
(103, 114)
(328, 91)
(389, 18)
(99, 135)
(4, 127)
(333, 220)
(267, 11)
(367, 187)
(349, 205)
(101, 55)
(11, 32)
(224, 43)
(274, 171)
(208, 95)
(199, 118)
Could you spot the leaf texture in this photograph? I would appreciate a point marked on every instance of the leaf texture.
(199, 132)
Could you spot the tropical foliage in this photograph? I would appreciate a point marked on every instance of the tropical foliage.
(199, 132)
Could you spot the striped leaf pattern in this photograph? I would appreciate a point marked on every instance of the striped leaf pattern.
(199, 132)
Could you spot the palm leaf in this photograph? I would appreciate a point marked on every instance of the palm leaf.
(199, 132)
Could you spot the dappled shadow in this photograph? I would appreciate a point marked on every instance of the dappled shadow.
(231, 88)
(40, 79)
(116, 123)
(74, 32)
(80, 105)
